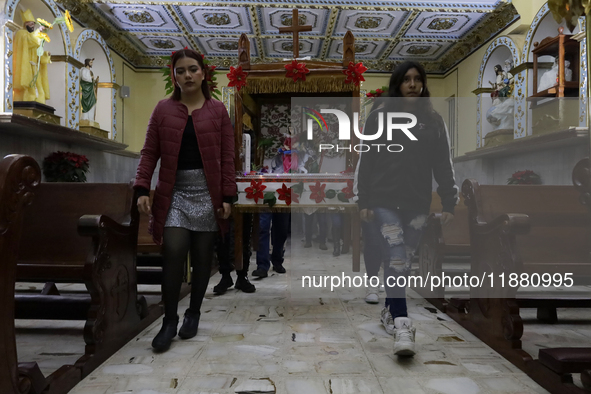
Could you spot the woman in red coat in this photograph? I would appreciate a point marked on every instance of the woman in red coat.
(192, 136)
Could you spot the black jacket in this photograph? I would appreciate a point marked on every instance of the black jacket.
(403, 180)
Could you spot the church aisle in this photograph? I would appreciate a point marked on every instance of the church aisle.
(285, 340)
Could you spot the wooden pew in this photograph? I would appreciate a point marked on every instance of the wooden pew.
(554, 367)
(520, 229)
(149, 258)
(84, 233)
(19, 178)
(439, 243)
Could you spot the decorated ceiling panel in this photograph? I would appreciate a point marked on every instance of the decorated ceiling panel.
(274, 18)
(443, 25)
(364, 49)
(283, 47)
(211, 20)
(134, 18)
(438, 34)
(222, 46)
(419, 50)
(369, 23)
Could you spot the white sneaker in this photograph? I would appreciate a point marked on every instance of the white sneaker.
(387, 321)
(382, 288)
(371, 295)
(404, 344)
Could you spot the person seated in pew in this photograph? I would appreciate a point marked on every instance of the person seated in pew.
(394, 188)
(192, 135)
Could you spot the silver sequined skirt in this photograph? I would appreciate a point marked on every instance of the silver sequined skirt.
(191, 205)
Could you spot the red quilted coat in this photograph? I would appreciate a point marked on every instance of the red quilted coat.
(215, 138)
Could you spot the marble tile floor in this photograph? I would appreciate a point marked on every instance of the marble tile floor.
(294, 340)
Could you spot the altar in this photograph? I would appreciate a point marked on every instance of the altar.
(276, 173)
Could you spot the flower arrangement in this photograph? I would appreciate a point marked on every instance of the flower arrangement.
(210, 75)
(374, 94)
(65, 167)
(526, 177)
(43, 37)
(378, 92)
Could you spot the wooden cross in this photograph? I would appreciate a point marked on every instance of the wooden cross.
(295, 29)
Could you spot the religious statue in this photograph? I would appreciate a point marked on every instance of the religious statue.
(89, 89)
(289, 159)
(30, 83)
(568, 73)
(549, 78)
(307, 158)
(500, 115)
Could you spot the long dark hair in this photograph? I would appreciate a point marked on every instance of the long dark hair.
(176, 95)
(396, 80)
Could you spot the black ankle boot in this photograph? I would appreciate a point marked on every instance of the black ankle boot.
(242, 283)
(163, 339)
(190, 325)
(336, 238)
(225, 283)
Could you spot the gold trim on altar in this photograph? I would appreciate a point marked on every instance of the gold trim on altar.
(67, 59)
(313, 84)
(109, 85)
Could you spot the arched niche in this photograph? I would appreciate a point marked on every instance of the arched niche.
(542, 26)
(59, 47)
(90, 45)
(499, 50)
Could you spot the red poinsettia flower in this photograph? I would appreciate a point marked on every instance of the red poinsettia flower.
(353, 73)
(318, 193)
(237, 77)
(295, 197)
(296, 70)
(349, 189)
(255, 191)
(285, 194)
(377, 93)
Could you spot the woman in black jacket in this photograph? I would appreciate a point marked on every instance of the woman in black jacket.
(394, 186)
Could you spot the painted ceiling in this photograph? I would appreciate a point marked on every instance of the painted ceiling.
(437, 34)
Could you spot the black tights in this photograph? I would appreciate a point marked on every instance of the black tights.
(177, 242)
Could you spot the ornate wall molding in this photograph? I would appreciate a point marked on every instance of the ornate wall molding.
(9, 10)
(532, 30)
(502, 41)
(86, 35)
(583, 78)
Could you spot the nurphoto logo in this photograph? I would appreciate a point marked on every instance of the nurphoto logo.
(345, 129)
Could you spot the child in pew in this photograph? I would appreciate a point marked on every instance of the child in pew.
(192, 135)
(394, 187)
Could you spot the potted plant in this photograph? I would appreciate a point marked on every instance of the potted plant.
(526, 177)
(65, 167)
